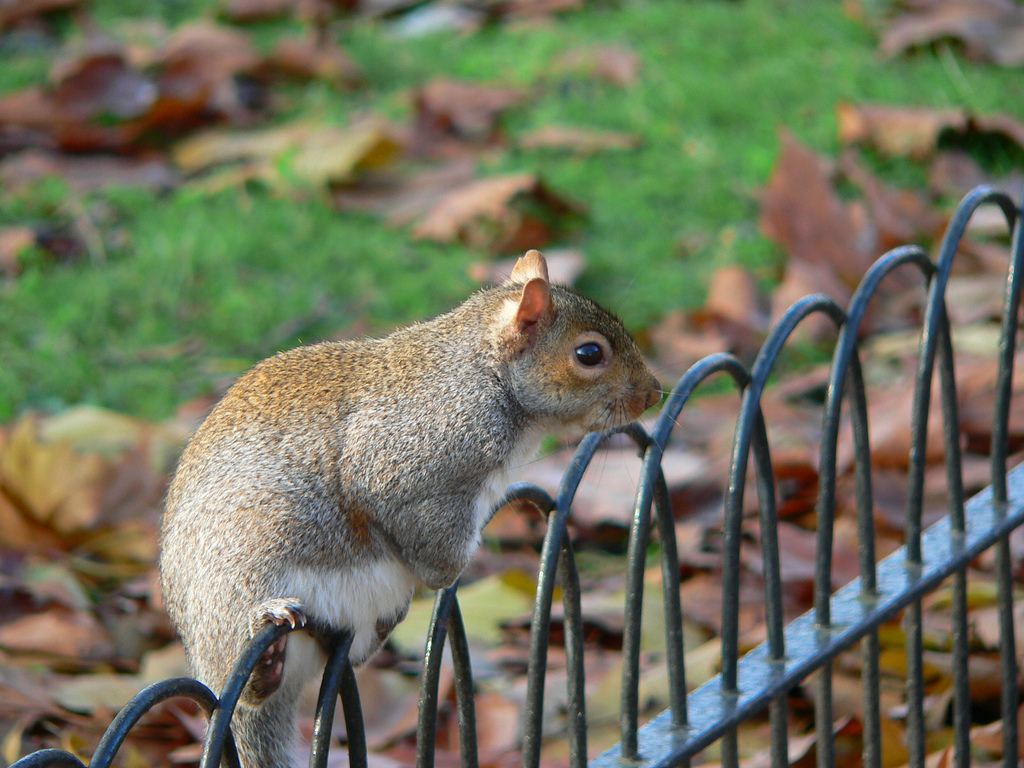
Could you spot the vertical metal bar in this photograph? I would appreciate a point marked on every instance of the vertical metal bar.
(330, 685)
(779, 708)
(463, 687)
(1010, 696)
(674, 403)
(353, 711)
(955, 495)
(433, 655)
(636, 554)
(674, 654)
(576, 681)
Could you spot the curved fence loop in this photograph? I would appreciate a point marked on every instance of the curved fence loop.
(846, 379)
(144, 701)
(49, 758)
(551, 551)
(846, 362)
(220, 722)
(750, 427)
(751, 436)
(433, 653)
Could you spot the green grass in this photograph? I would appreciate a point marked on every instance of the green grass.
(204, 285)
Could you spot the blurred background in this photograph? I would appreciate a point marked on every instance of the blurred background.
(188, 186)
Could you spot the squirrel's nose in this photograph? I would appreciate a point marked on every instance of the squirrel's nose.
(654, 395)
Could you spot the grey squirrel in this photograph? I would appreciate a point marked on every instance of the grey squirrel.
(332, 479)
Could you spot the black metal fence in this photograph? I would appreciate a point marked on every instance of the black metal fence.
(762, 678)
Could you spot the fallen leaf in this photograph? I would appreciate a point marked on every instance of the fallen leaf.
(249, 11)
(914, 132)
(86, 173)
(51, 484)
(15, 12)
(497, 726)
(609, 491)
(101, 84)
(801, 211)
(311, 57)
(313, 154)
(898, 215)
(451, 114)
(104, 692)
(57, 632)
(613, 64)
(500, 214)
(986, 30)
(533, 10)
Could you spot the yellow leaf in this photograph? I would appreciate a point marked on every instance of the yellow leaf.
(52, 483)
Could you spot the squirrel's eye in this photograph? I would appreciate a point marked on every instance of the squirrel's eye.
(590, 354)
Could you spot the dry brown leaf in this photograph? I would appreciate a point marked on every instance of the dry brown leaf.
(898, 216)
(311, 57)
(801, 211)
(497, 732)
(451, 114)
(609, 491)
(801, 279)
(678, 343)
(57, 632)
(15, 12)
(248, 11)
(399, 197)
(97, 692)
(532, 10)
(986, 30)
(613, 64)
(102, 84)
(101, 100)
(500, 214)
(86, 173)
(914, 132)
(895, 131)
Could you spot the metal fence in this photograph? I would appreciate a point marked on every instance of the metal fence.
(762, 678)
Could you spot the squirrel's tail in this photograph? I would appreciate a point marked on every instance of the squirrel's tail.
(264, 734)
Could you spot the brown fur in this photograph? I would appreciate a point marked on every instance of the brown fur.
(333, 477)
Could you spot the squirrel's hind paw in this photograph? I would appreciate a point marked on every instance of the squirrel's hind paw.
(280, 611)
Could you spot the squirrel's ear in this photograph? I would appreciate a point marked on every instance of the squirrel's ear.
(534, 308)
(530, 266)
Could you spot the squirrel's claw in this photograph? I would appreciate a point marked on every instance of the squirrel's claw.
(280, 611)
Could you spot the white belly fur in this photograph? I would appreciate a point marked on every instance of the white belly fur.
(350, 599)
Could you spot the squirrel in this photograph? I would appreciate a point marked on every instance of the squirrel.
(332, 480)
